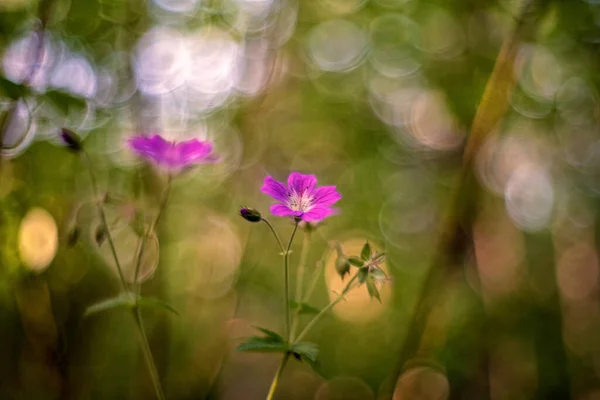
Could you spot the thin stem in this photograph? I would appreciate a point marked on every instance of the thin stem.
(317, 273)
(136, 312)
(103, 220)
(274, 234)
(148, 354)
(151, 227)
(277, 376)
(286, 264)
(300, 282)
(322, 313)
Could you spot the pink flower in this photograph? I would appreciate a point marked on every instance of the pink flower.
(172, 155)
(301, 198)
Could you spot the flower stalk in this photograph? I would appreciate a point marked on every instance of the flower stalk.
(136, 311)
(286, 263)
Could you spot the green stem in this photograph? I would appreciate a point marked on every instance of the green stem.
(274, 234)
(136, 313)
(286, 264)
(322, 313)
(151, 227)
(103, 220)
(148, 354)
(277, 376)
(317, 273)
(300, 282)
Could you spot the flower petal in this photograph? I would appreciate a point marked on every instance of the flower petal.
(325, 196)
(282, 210)
(317, 213)
(301, 183)
(194, 151)
(154, 148)
(275, 189)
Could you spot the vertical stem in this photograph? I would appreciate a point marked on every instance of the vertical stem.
(136, 312)
(111, 243)
(286, 264)
(151, 227)
(300, 282)
(277, 376)
(148, 354)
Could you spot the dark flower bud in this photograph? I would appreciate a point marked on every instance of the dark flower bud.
(342, 266)
(100, 234)
(70, 140)
(73, 237)
(250, 214)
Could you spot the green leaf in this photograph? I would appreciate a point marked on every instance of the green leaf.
(372, 288)
(263, 344)
(357, 262)
(123, 300)
(363, 274)
(378, 274)
(271, 334)
(304, 308)
(127, 300)
(154, 302)
(307, 351)
(12, 90)
(365, 254)
(65, 101)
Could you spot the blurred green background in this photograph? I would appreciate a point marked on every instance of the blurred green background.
(377, 97)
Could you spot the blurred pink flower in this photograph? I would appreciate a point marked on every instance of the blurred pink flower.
(173, 156)
(301, 198)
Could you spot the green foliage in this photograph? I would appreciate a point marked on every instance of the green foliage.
(303, 308)
(365, 254)
(357, 262)
(305, 351)
(127, 300)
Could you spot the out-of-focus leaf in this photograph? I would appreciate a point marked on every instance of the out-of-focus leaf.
(128, 300)
(154, 302)
(261, 344)
(304, 308)
(372, 288)
(365, 254)
(64, 101)
(357, 262)
(307, 351)
(363, 273)
(271, 334)
(12, 90)
(123, 300)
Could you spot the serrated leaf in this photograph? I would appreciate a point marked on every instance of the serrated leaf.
(307, 351)
(123, 300)
(363, 274)
(262, 344)
(365, 254)
(372, 289)
(357, 262)
(155, 303)
(271, 334)
(304, 308)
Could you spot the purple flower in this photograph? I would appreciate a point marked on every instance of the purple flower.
(301, 198)
(172, 155)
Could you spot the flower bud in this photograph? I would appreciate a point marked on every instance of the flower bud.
(342, 266)
(250, 214)
(70, 140)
